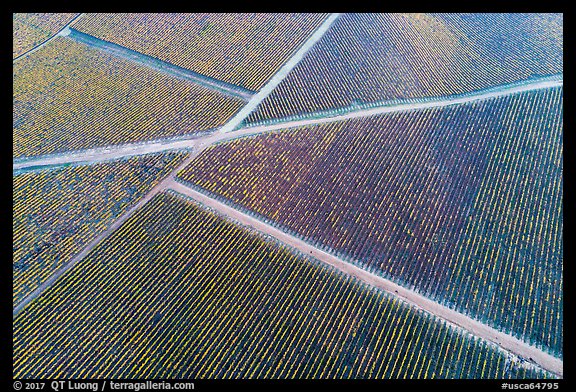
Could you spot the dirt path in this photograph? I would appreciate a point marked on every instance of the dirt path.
(116, 152)
(279, 76)
(63, 31)
(162, 66)
(102, 154)
(500, 91)
(506, 342)
(76, 259)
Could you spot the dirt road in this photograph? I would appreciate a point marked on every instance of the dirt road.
(63, 31)
(496, 92)
(102, 154)
(158, 188)
(279, 76)
(161, 66)
(116, 152)
(505, 341)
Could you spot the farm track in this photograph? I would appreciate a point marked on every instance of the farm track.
(59, 33)
(128, 150)
(349, 112)
(184, 142)
(76, 259)
(111, 153)
(228, 132)
(162, 66)
(504, 341)
(279, 76)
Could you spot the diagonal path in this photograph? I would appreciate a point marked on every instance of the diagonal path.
(62, 31)
(162, 66)
(459, 320)
(279, 76)
(415, 104)
(197, 145)
(76, 259)
(505, 341)
(185, 142)
(127, 150)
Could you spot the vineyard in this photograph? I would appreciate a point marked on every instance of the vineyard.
(68, 96)
(241, 49)
(56, 213)
(156, 302)
(462, 203)
(374, 58)
(30, 30)
(287, 196)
